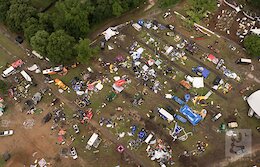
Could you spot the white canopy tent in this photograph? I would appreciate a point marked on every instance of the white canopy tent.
(109, 33)
(254, 102)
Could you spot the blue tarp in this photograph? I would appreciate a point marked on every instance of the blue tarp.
(178, 100)
(193, 118)
(204, 72)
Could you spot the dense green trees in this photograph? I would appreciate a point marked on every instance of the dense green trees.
(4, 7)
(60, 47)
(61, 34)
(39, 41)
(198, 9)
(19, 11)
(117, 9)
(72, 16)
(167, 3)
(85, 53)
(252, 45)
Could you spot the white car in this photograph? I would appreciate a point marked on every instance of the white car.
(73, 153)
(76, 128)
(7, 133)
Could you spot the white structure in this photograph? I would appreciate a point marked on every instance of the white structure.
(37, 54)
(254, 103)
(26, 76)
(167, 115)
(109, 33)
(94, 141)
(198, 82)
(255, 31)
(8, 71)
(168, 50)
(137, 26)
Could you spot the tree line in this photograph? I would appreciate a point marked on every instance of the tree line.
(61, 35)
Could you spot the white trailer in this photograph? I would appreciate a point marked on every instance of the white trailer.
(167, 115)
(26, 76)
(37, 54)
(8, 71)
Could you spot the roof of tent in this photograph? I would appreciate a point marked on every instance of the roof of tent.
(253, 101)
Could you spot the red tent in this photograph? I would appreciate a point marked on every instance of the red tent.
(120, 82)
(17, 63)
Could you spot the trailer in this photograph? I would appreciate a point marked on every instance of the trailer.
(37, 54)
(137, 26)
(8, 71)
(26, 76)
(165, 114)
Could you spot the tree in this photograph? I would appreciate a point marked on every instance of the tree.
(4, 7)
(252, 45)
(3, 87)
(72, 16)
(30, 27)
(39, 41)
(84, 51)
(117, 8)
(46, 21)
(198, 9)
(20, 10)
(167, 3)
(60, 47)
(102, 10)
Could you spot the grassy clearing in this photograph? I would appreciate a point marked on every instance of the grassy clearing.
(5, 58)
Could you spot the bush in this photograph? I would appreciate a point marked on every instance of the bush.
(252, 45)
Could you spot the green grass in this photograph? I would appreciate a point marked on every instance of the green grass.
(2, 162)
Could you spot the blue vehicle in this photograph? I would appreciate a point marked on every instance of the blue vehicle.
(180, 118)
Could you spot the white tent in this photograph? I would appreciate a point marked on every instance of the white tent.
(254, 102)
(256, 31)
(198, 82)
(168, 50)
(109, 33)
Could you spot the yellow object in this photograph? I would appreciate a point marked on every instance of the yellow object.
(60, 84)
(198, 98)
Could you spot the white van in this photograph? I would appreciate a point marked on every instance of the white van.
(244, 61)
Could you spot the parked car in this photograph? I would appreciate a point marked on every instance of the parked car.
(73, 153)
(216, 117)
(76, 128)
(7, 133)
(19, 39)
(171, 27)
(102, 44)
